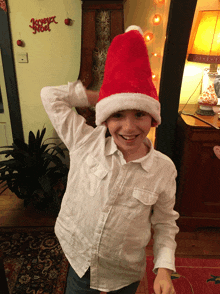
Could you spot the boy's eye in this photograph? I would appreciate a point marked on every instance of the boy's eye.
(140, 114)
(117, 115)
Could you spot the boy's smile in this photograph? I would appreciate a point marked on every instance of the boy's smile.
(129, 138)
(129, 128)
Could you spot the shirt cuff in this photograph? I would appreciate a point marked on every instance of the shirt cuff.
(165, 258)
(77, 92)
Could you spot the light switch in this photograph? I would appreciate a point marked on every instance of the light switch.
(22, 57)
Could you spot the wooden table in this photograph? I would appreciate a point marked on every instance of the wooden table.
(198, 189)
(192, 121)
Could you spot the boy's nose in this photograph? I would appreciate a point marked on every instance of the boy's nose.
(129, 124)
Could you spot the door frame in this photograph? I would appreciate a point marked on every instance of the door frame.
(179, 25)
(10, 76)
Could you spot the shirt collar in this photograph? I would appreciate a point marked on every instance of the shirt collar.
(146, 161)
(111, 147)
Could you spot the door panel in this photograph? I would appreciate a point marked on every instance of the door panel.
(5, 123)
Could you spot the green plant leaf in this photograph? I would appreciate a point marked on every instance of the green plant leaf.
(59, 150)
(6, 152)
(46, 184)
(43, 148)
(7, 147)
(38, 135)
(20, 144)
(31, 142)
(34, 168)
(42, 135)
(10, 163)
(52, 158)
(37, 143)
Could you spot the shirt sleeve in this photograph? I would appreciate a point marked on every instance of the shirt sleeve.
(58, 103)
(164, 226)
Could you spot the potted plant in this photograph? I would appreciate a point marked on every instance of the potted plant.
(35, 171)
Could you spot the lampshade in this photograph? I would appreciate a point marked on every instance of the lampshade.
(204, 44)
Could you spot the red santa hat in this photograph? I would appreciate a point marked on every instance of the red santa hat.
(127, 80)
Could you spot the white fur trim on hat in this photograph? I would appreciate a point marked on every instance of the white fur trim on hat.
(134, 28)
(124, 101)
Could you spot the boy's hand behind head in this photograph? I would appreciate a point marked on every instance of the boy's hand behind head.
(92, 96)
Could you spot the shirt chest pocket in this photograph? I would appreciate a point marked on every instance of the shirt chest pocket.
(95, 172)
(144, 198)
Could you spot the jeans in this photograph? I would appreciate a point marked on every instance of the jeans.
(75, 285)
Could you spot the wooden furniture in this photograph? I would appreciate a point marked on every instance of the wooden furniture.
(198, 182)
(101, 22)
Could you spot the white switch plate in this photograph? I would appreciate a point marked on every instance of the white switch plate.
(22, 57)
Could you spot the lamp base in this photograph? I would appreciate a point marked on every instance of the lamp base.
(205, 110)
(208, 98)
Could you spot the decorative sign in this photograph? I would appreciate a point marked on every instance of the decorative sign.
(42, 25)
(3, 5)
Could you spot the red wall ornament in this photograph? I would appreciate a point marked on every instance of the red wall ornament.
(67, 21)
(20, 43)
(42, 25)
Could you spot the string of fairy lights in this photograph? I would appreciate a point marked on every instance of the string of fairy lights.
(151, 36)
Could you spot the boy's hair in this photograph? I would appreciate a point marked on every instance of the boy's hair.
(127, 80)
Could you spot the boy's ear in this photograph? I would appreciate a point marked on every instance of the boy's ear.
(153, 122)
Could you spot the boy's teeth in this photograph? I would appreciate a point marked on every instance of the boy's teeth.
(129, 137)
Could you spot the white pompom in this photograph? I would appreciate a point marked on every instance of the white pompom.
(134, 28)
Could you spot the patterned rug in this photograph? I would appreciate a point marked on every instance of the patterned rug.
(194, 276)
(33, 260)
(35, 264)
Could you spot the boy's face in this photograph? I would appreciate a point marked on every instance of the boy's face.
(129, 128)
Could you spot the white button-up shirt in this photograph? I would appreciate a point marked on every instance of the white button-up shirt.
(110, 206)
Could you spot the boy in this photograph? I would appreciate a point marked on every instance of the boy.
(105, 220)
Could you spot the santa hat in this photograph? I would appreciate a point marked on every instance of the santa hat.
(127, 80)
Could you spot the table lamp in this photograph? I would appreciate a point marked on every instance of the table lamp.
(204, 47)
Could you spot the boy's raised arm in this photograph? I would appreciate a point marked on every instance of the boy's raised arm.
(59, 102)
(92, 96)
